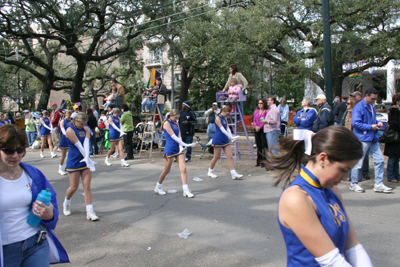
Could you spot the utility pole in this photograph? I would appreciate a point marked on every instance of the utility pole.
(327, 50)
(172, 71)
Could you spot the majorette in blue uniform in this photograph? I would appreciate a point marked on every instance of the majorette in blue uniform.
(63, 142)
(3, 122)
(220, 139)
(331, 214)
(44, 130)
(114, 134)
(171, 146)
(74, 155)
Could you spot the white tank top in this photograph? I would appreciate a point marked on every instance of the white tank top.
(15, 205)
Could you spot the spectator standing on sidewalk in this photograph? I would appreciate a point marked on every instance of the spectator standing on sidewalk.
(284, 111)
(127, 127)
(365, 127)
(55, 117)
(325, 114)
(162, 90)
(30, 129)
(187, 121)
(210, 119)
(272, 125)
(392, 150)
(262, 146)
(95, 113)
(340, 109)
(92, 123)
(306, 117)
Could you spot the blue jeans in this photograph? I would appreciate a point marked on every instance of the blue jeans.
(272, 140)
(161, 107)
(144, 104)
(27, 253)
(188, 139)
(374, 150)
(38, 129)
(31, 137)
(393, 169)
(365, 167)
(210, 130)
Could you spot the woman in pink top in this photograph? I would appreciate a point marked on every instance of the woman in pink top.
(259, 114)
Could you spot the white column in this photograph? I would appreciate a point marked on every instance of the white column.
(391, 81)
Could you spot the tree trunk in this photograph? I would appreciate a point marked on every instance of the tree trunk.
(78, 81)
(337, 80)
(95, 102)
(185, 84)
(45, 95)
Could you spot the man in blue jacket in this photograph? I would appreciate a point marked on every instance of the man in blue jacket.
(365, 127)
(325, 114)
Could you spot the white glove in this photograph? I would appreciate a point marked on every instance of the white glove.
(118, 129)
(181, 148)
(63, 131)
(47, 127)
(358, 257)
(233, 138)
(51, 128)
(333, 258)
(85, 153)
(191, 145)
(178, 140)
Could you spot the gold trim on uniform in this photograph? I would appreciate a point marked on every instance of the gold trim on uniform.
(309, 179)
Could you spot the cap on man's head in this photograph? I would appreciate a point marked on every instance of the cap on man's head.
(321, 96)
(215, 103)
(345, 96)
(356, 93)
(54, 104)
(186, 103)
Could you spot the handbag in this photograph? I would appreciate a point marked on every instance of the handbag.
(389, 135)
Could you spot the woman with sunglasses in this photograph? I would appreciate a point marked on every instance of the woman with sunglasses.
(65, 123)
(79, 164)
(45, 133)
(221, 141)
(20, 184)
(259, 114)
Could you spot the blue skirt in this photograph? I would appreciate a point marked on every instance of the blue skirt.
(63, 142)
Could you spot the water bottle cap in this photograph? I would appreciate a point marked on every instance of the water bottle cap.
(47, 189)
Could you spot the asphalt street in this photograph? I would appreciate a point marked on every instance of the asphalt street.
(233, 222)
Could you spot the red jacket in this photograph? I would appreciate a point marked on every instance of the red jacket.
(56, 119)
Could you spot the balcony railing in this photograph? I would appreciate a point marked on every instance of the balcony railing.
(154, 62)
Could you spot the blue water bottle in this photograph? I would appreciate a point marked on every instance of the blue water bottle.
(45, 197)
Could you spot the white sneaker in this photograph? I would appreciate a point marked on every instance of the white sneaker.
(187, 193)
(115, 156)
(212, 175)
(41, 155)
(255, 145)
(381, 188)
(53, 155)
(58, 150)
(108, 163)
(91, 216)
(62, 172)
(124, 164)
(159, 191)
(357, 188)
(236, 176)
(66, 209)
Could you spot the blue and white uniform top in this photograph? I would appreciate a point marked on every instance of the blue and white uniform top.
(220, 139)
(44, 130)
(3, 122)
(114, 134)
(331, 214)
(63, 142)
(171, 146)
(74, 155)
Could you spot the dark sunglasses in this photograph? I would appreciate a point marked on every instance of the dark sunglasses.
(10, 151)
(261, 103)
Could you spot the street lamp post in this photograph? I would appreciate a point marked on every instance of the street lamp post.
(327, 50)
